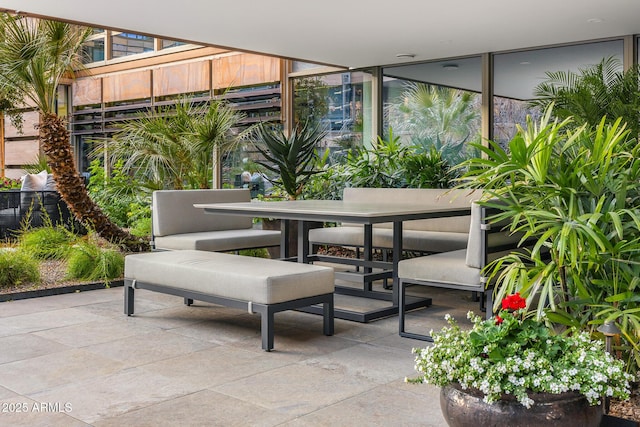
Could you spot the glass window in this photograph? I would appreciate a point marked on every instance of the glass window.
(62, 100)
(93, 51)
(436, 104)
(124, 44)
(517, 74)
(341, 102)
(166, 44)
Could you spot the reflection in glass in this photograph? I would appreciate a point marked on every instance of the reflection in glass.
(165, 44)
(124, 44)
(435, 106)
(93, 51)
(341, 102)
(517, 74)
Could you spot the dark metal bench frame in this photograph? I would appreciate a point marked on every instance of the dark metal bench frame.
(266, 311)
(485, 289)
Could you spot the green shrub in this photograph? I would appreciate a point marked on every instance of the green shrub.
(141, 227)
(17, 267)
(89, 261)
(256, 253)
(46, 242)
(122, 198)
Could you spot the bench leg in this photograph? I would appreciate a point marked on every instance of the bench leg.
(328, 318)
(266, 327)
(188, 301)
(128, 297)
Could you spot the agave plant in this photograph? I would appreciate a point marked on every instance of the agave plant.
(574, 190)
(292, 158)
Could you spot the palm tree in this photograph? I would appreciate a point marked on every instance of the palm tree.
(436, 116)
(34, 56)
(175, 146)
(592, 93)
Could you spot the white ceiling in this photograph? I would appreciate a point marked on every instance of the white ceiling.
(353, 33)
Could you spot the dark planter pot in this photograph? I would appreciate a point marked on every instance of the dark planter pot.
(464, 408)
(276, 224)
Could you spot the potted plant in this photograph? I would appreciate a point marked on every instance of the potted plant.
(575, 192)
(514, 370)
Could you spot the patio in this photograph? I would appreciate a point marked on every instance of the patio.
(77, 360)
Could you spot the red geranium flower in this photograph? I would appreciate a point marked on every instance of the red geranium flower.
(499, 320)
(513, 302)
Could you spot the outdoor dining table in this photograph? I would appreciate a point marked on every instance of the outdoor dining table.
(313, 213)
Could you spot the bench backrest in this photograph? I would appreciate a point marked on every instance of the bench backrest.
(488, 239)
(173, 211)
(427, 196)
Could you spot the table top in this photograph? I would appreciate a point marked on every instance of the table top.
(335, 210)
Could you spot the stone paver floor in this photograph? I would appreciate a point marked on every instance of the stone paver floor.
(77, 360)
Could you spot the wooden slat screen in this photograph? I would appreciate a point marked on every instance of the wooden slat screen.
(244, 69)
(126, 86)
(21, 152)
(182, 78)
(87, 91)
(29, 120)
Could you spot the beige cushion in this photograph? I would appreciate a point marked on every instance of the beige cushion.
(223, 240)
(430, 235)
(173, 211)
(474, 256)
(445, 268)
(34, 182)
(259, 280)
(412, 240)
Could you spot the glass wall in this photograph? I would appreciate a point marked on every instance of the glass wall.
(124, 44)
(166, 44)
(341, 102)
(516, 76)
(435, 105)
(93, 49)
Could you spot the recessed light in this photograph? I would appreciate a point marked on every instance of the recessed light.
(450, 66)
(525, 63)
(595, 20)
(405, 55)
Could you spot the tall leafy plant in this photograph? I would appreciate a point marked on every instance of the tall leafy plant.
(174, 147)
(379, 167)
(574, 190)
(591, 93)
(292, 158)
(436, 116)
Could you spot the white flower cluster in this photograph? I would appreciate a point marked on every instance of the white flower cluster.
(581, 365)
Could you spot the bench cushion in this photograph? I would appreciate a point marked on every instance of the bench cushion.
(259, 280)
(173, 211)
(223, 240)
(445, 268)
(412, 240)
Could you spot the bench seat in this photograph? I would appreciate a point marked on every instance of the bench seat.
(265, 286)
(220, 241)
(425, 235)
(446, 269)
(412, 240)
(178, 225)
